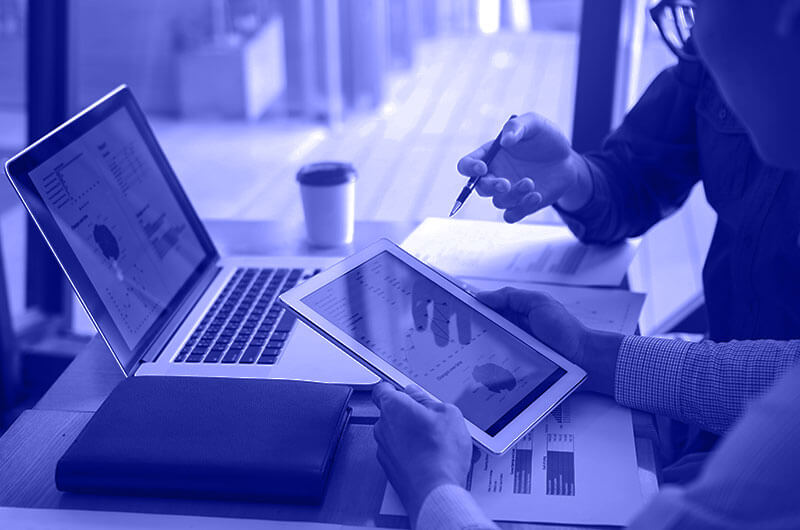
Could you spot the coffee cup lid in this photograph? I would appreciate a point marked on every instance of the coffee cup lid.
(326, 174)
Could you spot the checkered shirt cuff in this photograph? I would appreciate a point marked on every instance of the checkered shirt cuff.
(649, 374)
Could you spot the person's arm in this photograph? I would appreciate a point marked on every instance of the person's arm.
(451, 507)
(750, 480)
(708, 384)
(646, 167)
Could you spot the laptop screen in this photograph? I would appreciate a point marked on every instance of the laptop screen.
(103, 194)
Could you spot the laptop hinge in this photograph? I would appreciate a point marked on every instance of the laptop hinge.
(180, 315)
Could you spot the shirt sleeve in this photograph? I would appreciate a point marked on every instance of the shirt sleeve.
(450, 507)
(750, 479)
(647, 166)
(708, 384)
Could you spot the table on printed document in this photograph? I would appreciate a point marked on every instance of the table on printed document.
(33, 444)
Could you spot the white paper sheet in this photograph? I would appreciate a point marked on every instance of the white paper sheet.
(518, 252)
(577, 467)
(605, 309)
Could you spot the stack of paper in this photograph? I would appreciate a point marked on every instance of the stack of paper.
(614, 310)
(576, 467)
(527, 253)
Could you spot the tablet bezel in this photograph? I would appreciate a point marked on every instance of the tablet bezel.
(511, 432)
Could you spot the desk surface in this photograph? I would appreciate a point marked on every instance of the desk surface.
(34, 443)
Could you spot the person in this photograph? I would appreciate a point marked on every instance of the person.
(684, 129)
(681, 131)
(749, 51)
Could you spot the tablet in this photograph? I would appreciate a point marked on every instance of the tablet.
(410, 324)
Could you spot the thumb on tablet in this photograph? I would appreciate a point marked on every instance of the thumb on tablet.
(419, 395)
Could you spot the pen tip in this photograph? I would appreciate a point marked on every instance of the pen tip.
(456, 208)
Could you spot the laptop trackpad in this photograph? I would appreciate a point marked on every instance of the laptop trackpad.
(310, 357)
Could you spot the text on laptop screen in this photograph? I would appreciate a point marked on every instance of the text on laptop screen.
(435, 339)
(122, 221)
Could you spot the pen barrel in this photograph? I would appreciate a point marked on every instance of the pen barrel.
(465, 191)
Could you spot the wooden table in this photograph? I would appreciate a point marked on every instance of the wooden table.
(34, 443)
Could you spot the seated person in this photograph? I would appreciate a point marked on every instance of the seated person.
(682, 131)
(750, 479)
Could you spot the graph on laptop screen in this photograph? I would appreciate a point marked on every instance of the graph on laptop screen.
(122, 221)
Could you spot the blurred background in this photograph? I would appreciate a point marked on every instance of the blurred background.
(241, 93)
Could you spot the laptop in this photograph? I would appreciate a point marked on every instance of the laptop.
(105, 198)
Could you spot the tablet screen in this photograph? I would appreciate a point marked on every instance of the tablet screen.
(435, 339)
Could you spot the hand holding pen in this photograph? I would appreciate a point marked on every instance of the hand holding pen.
(529, 166)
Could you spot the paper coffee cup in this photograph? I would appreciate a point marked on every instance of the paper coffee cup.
(328, 192)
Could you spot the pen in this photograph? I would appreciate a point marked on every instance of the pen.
(467, 189)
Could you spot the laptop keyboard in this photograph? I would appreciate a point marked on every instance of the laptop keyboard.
(246, 324)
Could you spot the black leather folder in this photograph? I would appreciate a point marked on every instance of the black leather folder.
(263, 440)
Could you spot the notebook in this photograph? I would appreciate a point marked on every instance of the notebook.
(246, 439)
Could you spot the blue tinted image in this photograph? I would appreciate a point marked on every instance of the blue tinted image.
(670, 124)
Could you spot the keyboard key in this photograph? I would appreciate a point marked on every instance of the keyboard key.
(213, 357)
(250, 355)
(282, 335)
(231, 357)
(183, 354)
(274, 352)
(267, 359)
(194, 358)
(275, 344)
(258, 341)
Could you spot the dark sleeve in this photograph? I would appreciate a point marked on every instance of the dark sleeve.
(648, 166)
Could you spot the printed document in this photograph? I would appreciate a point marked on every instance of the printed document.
(615, 310)
(576, 467)
(518, 252)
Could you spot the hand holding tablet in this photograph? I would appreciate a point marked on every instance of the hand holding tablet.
(409, 324)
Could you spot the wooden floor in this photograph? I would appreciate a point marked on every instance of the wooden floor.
(458, 97)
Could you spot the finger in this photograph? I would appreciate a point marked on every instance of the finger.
(468, 162)
(381, 393)
(491, 185)
(394, 404)
(517, 192)
(494, 299)
(523, 300)
(419, 395)
(472, 167)
(521, 128)
(513, 300)
(528, 205)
